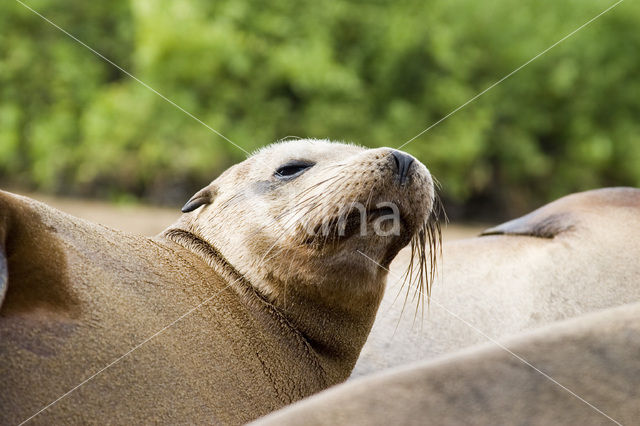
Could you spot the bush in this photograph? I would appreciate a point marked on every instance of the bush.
(375, 73)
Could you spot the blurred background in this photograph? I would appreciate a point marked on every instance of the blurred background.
(372, 72)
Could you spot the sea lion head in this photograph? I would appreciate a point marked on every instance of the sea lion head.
(316, 214)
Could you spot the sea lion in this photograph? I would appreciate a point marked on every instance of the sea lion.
(259, 295)
(592, 357)
(575, 255)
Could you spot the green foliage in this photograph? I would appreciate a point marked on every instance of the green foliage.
(375, 73)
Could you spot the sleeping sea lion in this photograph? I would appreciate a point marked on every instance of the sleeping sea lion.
(575, 255)
(259, 295)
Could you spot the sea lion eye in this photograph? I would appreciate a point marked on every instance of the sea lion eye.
(292, 169)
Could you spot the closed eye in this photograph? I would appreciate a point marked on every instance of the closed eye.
(292, 170)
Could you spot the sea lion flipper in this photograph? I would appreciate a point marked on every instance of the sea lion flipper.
(32, 249)
(535, 224)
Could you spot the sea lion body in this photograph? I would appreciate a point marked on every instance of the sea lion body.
(593, 359)
(573, 256)
(90, 285)
(227, 315)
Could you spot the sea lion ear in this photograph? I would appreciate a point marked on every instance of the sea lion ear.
(200, 198)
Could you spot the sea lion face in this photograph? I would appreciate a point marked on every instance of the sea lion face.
(311, 212)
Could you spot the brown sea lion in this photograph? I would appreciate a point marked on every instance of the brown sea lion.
(259, 295)
(591, 363)
(572, 256)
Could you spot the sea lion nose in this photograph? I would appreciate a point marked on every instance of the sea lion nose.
(403, 164)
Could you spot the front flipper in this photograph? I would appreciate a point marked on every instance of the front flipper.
(570, 212)
(32, 250)
(536, 224)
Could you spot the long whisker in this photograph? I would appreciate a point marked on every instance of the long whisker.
(426, 249)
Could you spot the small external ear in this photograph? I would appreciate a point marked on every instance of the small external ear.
(200, 198)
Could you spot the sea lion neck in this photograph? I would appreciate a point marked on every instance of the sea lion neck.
(206, 251)
(335, 320)
(333, 331)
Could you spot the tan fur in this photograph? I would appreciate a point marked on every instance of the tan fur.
(573, 256)
(281, 319)
(595, 356)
